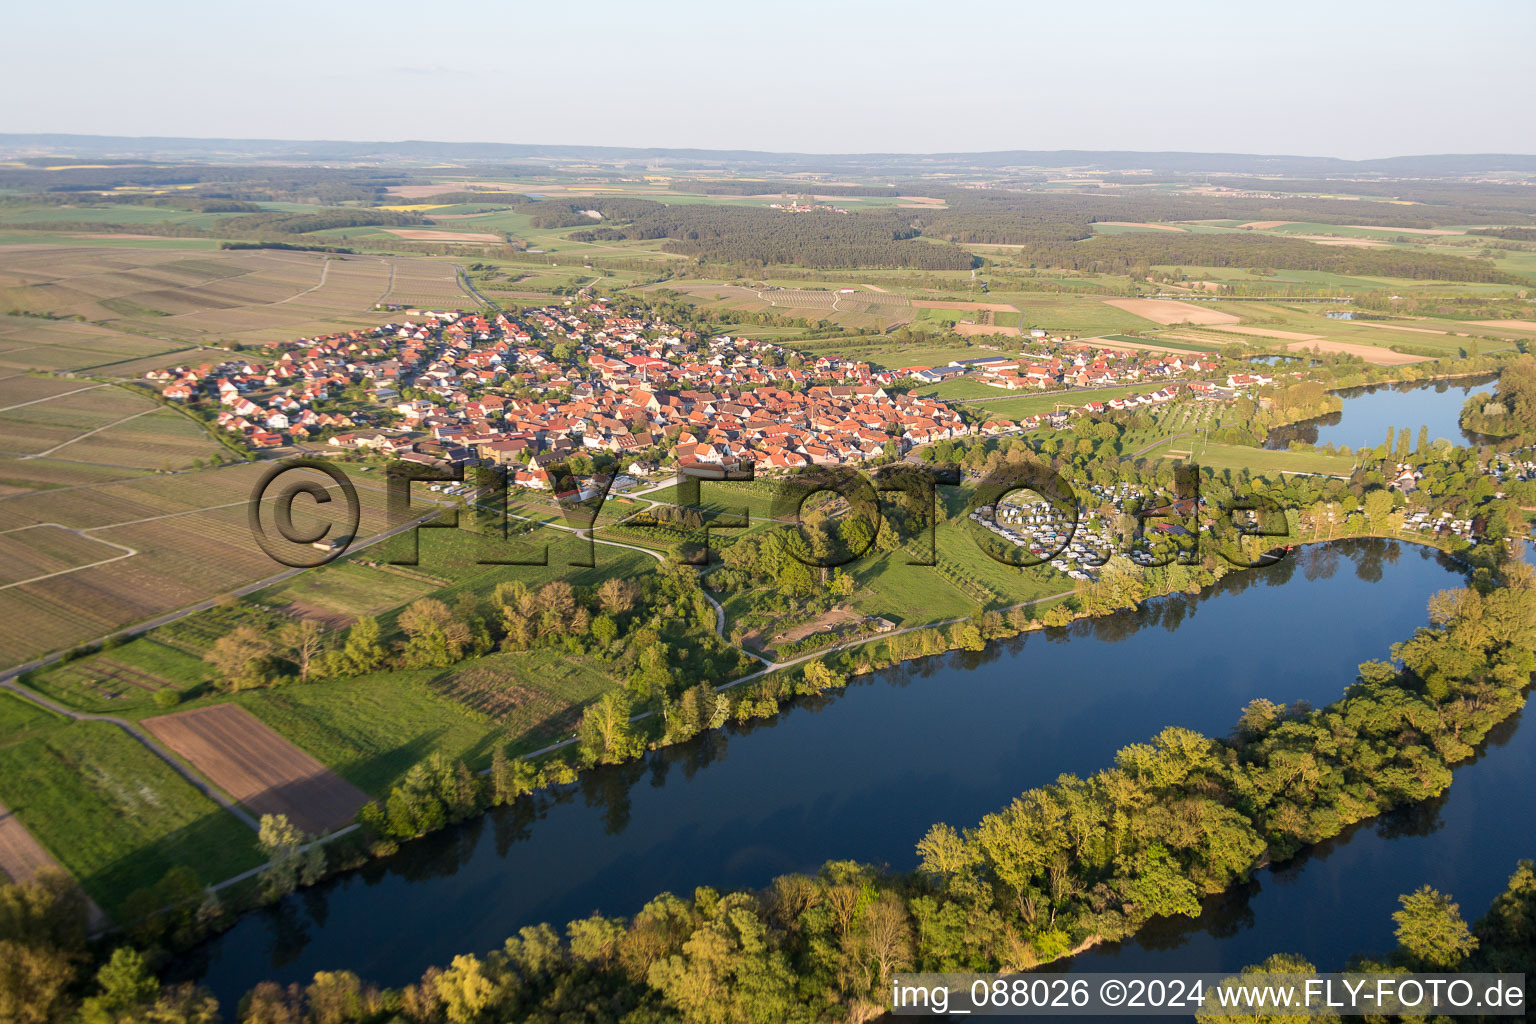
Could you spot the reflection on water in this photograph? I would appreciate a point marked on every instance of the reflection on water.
(1370, 411)
(858, 775)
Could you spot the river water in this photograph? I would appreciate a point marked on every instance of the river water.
(861, 775)
(1370, 411)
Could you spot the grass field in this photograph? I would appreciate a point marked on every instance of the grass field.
(1258, 461)
(65, 780)
(1015, 405)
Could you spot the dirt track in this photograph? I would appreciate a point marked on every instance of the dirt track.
(1166, 311)
(258, 767)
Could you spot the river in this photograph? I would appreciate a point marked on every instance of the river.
(861, 775)
(1370, 411)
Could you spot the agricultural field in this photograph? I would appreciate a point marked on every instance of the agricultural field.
(1165, 312)
(1015, 405)
(425, 283)
(535, 696)
(371, 729)
(41, 551)
(175, 300)
(32, 343)
(101, 425)
(1085, 316)
(259, 768)
(190, 539)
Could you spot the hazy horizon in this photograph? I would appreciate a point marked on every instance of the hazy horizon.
(589, 144)
(1355, 82)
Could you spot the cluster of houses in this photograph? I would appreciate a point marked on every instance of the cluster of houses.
(1042, 529)
(1049, 363)
(1079, 549)
(597, 380)
(1443, 524)
(1513, 465)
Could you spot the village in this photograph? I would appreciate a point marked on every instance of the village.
(522, 391)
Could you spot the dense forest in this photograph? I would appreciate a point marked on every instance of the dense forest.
(821, 239)
(247, 183)
(557, 214)
(1120, 253)
(1054, 231)
(267, 224)
(1508, 234)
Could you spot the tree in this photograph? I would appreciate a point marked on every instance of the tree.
(605, 733)
(33, 982)
(617, 596)
(1279, 964)
(465, 990)
(242, 656)
(1377, 504)
(281, 841)
(363, 653)
(302, 642)
(436, 638)
(124, 987)
(819, 676)
(728, 972)
(1431, 931)
(881, 943)
(605, 631)
(335, 997)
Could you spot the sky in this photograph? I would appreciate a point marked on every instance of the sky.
(1347, 78)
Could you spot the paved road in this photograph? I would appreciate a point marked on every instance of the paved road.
(469, 286)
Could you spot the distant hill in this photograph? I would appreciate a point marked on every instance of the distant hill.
(112, 147)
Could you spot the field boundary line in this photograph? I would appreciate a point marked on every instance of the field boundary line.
(65, 394)
(88, 433)
(128, 552)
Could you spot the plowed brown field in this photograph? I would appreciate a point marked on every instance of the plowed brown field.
(258, 767)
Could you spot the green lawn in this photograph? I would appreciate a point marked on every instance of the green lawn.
(112, 812)
(348, 588)
(372, 728)
(1257, 460)
(760, 498)
(21, 719)
(1015, 405)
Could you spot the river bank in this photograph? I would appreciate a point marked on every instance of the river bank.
(624, 832)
